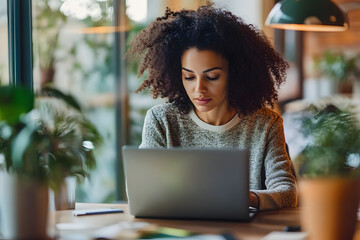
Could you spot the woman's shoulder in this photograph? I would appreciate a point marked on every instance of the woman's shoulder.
(268, 112)
(265, 114)
(164, 110)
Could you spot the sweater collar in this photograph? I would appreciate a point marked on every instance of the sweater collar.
(222, 128)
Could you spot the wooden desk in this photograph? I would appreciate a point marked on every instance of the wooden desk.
(60, 223)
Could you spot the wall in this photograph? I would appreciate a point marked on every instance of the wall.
(316, 43)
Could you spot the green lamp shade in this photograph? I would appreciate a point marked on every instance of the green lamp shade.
(307, 15)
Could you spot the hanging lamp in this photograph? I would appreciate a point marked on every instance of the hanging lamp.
(307, 15)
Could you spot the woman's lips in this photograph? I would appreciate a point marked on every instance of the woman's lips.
(202, 101)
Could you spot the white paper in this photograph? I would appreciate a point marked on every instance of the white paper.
(197, 237)
(285, 236)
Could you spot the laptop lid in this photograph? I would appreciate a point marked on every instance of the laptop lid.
(187, 183)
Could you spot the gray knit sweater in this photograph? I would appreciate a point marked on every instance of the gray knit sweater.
(260, 132)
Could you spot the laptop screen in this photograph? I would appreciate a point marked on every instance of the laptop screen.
(187, 183)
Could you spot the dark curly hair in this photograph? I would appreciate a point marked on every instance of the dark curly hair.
(255, 68)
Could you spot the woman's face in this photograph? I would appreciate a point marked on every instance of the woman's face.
(205, 77)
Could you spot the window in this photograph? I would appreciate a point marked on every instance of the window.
(4, 60)
(73, 51)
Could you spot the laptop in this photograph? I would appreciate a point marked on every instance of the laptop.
(183, 183)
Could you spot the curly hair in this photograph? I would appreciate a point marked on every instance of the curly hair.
(256, 70)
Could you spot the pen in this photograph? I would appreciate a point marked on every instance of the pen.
(228, 236)
(292, 228)
(96, 211)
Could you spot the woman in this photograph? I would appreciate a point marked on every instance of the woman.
(219, 75)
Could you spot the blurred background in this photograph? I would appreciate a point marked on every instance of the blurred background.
(79, 46)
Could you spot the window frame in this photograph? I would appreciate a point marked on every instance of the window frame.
(20, 43)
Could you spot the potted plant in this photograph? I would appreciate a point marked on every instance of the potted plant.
(329, 173)
(39, 147)
(338, 68)
(72, 141)
(23, 190)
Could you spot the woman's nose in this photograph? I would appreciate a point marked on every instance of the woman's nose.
(200, 85)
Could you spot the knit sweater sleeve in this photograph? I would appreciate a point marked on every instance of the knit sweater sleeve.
(281, 187)
(153, 135)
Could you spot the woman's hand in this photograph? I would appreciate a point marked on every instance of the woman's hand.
(253, 200)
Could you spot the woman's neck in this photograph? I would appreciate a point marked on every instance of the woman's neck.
(215, 117)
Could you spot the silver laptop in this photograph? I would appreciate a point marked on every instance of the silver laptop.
(188, 183)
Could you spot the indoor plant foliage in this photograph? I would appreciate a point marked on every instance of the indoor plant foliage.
(72, 137)
(15, 104)
(334, 143)
(22, 175)
(329, 173)
(338, 71)
(43, 140)
(45, 137)
(337, 66)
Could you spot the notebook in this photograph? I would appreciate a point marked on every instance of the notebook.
(185, 183)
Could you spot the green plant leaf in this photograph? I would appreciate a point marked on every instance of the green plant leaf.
(336, 65)
(333, 136)
(46, 141)
(14, 102)
(52, 92)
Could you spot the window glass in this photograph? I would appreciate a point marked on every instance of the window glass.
(4, 59)
(74, 55)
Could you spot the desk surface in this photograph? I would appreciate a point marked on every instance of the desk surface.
(65, 225)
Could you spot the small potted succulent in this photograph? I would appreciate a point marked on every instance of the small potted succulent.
(43, 140)
(329, 173)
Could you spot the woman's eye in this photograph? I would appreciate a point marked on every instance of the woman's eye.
(212, 78)
(189, 78)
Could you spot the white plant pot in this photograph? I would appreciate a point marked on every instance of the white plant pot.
(311, 89)
(328, 87)
(23, 208)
